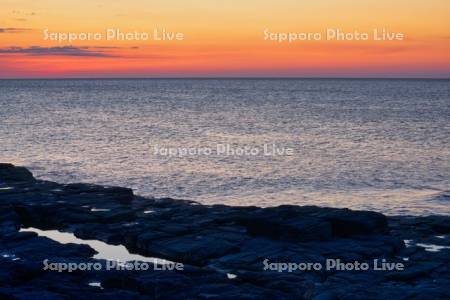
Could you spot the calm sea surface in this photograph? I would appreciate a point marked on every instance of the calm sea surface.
(365, 144)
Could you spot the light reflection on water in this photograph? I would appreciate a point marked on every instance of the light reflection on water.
(104, 251)
(366, 144)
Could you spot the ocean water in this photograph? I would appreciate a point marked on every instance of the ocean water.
(365, 144)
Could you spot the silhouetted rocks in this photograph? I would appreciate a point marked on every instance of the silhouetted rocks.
(226, 250)
(10, 173)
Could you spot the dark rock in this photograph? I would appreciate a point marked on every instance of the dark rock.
(23, 294)
(347, 223)
(10, 173)
(440, 224)
(300, 229)
(120, 194)
(212, 241)
(325, 296)
(412, 273)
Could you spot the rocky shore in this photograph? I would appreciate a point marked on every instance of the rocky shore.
(227, 252)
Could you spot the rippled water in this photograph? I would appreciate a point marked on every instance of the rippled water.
(370, 144)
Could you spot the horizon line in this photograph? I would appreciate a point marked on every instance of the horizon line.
(226, 77)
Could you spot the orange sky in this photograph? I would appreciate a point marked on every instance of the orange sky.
(224, 38)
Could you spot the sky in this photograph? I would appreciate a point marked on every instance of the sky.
(224, 38)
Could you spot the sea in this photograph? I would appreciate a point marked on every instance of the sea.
(370, 144)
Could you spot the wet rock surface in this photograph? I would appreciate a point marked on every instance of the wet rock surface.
(225, 250)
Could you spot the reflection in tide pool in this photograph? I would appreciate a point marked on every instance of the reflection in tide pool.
(104, 251)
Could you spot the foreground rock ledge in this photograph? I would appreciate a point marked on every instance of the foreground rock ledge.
(212, 241)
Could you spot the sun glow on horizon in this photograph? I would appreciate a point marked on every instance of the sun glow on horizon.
(224, 38)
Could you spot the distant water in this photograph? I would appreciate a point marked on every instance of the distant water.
(364, 144)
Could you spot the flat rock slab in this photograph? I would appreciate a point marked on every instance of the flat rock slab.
(225, 250)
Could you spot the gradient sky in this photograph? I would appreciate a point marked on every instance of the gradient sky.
(224, 38)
